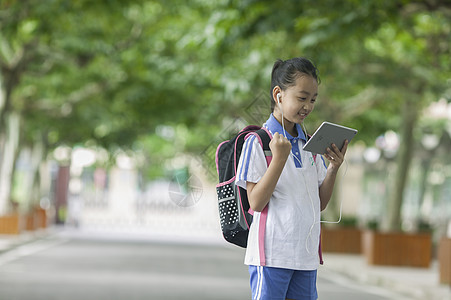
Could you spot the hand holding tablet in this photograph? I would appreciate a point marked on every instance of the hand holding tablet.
(328, 134)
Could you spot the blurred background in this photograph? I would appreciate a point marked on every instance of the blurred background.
(111, 111)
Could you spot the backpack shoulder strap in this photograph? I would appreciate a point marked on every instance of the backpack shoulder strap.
(265, 139)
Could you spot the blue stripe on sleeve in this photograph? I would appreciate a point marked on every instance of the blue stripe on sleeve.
(247, 149)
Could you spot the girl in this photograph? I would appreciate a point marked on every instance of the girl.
(287, 195)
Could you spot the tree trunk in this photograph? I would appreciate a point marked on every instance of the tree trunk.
(9, 138)
(9, 155)
(34, 157)
(2, 125)
(38, 156)
(392, 222)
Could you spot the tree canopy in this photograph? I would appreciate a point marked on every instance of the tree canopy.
(118, 69)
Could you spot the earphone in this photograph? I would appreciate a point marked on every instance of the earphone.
(281, 109)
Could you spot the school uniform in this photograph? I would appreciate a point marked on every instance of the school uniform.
(289, 237)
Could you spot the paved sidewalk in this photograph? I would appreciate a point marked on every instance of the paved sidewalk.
(413, 283)
(11, 241)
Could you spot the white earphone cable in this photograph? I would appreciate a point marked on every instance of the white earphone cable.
(283, 126)
(309, 235)
(344, 174)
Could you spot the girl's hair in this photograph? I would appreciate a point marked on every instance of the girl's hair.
(285, 73)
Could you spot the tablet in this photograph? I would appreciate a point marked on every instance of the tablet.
(328, 134)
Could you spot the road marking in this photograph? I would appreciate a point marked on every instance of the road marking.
(29, 249)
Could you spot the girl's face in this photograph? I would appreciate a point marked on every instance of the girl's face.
(298, 100)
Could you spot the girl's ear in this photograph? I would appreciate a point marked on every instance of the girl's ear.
(276, 91)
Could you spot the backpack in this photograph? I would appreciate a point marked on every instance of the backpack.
(234, 210)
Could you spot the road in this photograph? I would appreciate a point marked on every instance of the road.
(73, 268)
